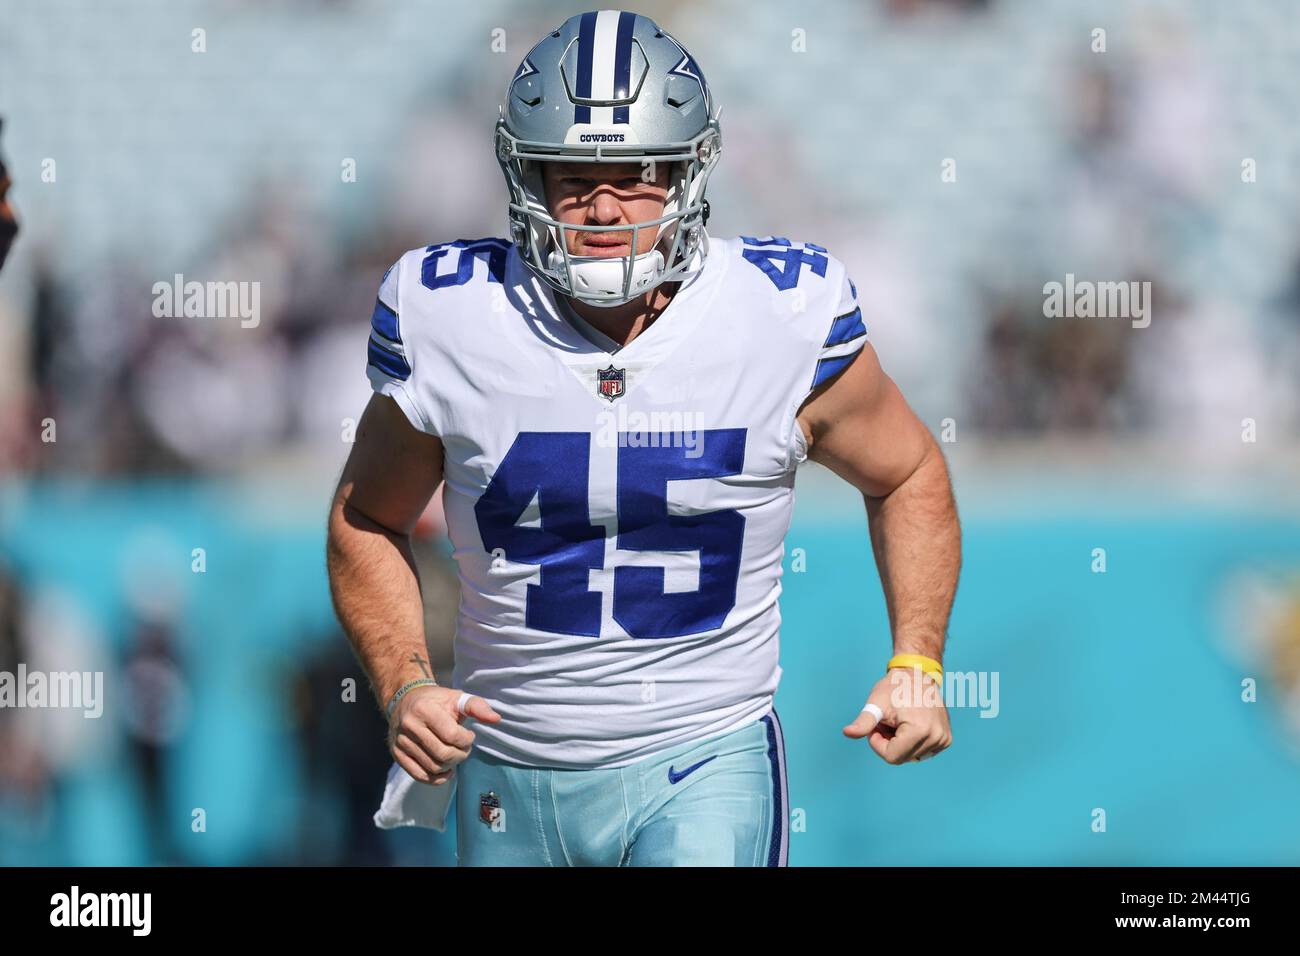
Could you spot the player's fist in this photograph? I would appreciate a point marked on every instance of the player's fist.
(913, 722)
(425, 733)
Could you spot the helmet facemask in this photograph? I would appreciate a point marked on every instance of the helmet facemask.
(613, 280)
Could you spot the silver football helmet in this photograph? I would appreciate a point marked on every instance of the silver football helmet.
(609, 87)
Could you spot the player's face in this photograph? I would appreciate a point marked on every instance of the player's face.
(8, 221)
(606, 194)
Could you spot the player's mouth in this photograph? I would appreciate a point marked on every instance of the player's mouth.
(604, 246)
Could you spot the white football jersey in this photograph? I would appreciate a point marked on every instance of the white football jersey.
(618, 516)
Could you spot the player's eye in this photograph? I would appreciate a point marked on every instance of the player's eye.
(581, 184)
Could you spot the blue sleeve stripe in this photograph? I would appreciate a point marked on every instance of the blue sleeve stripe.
(384, 321)
(830, 367)
(390, 363)
(845, 327)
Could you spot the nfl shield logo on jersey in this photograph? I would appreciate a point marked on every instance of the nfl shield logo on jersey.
(489, 807)
(610, 382)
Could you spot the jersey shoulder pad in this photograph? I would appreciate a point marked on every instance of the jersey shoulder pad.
(784, 265)
(809, 290)
(414, 320)
(424, 290)
(466, 265)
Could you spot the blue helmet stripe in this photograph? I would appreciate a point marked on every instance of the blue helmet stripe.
(623, 63)
(586, 51)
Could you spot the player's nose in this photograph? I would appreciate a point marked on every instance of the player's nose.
(605, 209)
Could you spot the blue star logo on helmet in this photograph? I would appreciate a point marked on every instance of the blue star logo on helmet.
(525, 69)
(688, 68)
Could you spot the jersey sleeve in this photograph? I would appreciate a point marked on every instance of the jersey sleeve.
(845, 335)
(820, 323)
(390, 357)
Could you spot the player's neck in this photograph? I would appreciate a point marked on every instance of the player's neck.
(623, 323)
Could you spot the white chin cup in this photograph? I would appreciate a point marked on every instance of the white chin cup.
(599, 276)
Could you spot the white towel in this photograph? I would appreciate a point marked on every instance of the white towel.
(409, 803)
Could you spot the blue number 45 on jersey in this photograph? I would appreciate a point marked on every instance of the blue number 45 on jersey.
(554, 467)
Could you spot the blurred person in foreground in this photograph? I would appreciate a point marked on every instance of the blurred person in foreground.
(618, 404)
(8, 219)
(15, 443)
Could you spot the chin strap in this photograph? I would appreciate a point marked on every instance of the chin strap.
(604, 276)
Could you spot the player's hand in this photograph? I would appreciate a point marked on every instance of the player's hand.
(426, 735)
(914, 721)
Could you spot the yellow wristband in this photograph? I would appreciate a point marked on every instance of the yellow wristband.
(928, 665)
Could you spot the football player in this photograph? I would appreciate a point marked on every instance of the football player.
(616, 404)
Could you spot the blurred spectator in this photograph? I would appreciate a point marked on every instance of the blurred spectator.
(24, 773)
(156, 698)
(8, 218)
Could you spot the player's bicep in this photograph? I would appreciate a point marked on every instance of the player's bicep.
(860, 427)
(393, 469)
